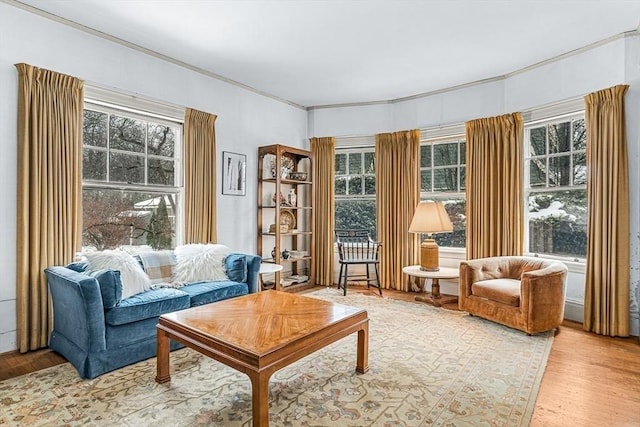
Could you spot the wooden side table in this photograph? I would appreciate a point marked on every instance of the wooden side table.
(267, 268)
(434, 297)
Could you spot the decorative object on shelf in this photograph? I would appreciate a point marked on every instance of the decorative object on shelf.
(286, 254)
(273, 253)
(284, 228)
(298, 254)
(292, 198)
(234, 167)
(286, 166)
(287, 218)
(298, 176)
(429, 218)
(283, 200)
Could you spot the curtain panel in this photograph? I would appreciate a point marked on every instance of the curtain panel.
(323, 164)
(200, 221)
(49, 199)
(606, 307)
(494, 180)
(397, 195)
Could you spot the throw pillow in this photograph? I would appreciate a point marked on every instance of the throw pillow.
(198, 263)
(110, 286)
(236, 265)
(134, 279)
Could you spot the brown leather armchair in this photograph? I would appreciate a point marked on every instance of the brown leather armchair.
(521, 292)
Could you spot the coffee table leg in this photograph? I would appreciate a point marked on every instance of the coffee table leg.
(260, 398)
(162, 357)
(362, 363)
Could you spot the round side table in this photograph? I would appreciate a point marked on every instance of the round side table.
(434, 297)
(267, 268)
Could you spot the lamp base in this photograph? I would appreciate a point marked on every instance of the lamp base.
(429, 257)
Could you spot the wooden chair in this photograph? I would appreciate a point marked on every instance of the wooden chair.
(356, 247)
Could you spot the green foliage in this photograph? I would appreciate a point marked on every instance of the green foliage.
(159, 229)
(351, 214)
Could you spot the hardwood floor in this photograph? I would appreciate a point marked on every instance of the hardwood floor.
(590, 380)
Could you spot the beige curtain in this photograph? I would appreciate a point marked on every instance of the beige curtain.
(200, 222)
(49, 199)
(494, 186)
(397, 194)
(323, 165)
(606, 305)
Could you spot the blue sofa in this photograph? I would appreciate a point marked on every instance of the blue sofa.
(97, 332)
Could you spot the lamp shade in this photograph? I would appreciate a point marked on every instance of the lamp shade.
(430, 217)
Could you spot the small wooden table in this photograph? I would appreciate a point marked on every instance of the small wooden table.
(434, 297)
(260, 333)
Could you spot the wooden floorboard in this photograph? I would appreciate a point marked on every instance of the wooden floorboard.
(590, 380)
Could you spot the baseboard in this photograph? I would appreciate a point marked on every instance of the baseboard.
(574, 310)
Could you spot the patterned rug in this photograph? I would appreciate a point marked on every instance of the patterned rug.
(428, 367)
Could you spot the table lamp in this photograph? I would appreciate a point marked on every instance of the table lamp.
(429, 218)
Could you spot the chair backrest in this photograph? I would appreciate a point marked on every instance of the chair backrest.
(356, 244)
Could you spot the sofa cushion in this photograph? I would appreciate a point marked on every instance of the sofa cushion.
(110, 286)
(147, 304)
(206, 292)
(236, 265)
(504, 291)
(158, 265)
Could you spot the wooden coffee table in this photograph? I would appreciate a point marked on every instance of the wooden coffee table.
(260, 333)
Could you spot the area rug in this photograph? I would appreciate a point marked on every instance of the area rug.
(428, 367)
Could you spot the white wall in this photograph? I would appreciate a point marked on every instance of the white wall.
(245, 121)
(567, 78)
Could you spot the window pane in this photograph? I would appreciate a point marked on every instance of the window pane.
(425, 180)
(369, 184)
(341, 164)
(162, 140)
(94, 165)
(463, 178)
(537, 141)
(559, 171)
(341, 185)
(113, 218)
(369, 162)
(537, 172)
(94, 128)
(126, 168)
(350, 213)
(161, 172)
(127, 134)
(579, 168)
(445, 179)
(445, 154)
(425, 156)
(355, 185)
(355, 163)
(558, 223)
(463, 153)
(559, 138)
(579, 135)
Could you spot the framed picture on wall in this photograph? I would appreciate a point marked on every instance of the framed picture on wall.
(234, 171)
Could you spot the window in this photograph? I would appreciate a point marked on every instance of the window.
(442, 178)
(130, 176)
(355, 189)
(555, 186)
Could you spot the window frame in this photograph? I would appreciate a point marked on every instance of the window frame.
(131, 111)
(528, 189)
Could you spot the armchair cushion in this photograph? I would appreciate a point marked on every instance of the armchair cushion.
(146, 305)
(110, 286)
(504, 291)
(236, 265)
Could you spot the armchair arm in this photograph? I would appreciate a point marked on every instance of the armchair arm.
(543, 294)
(78, 312)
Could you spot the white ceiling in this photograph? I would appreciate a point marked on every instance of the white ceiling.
(331, 52)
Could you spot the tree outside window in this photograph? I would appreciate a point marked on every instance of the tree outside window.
(355, 190)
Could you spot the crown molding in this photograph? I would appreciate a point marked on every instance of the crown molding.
(146, 51)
